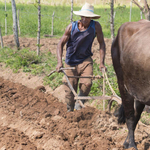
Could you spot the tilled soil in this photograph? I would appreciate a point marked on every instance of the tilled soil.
(32, 118)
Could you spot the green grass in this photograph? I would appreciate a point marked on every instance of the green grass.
(29, 19)
(27, 61)
(97, 87)
(145, 118)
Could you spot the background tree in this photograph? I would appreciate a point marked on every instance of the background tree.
(39, 27)
(71, 18)
(145, 9)
(112, 19)
(1, 39)
(15, 25)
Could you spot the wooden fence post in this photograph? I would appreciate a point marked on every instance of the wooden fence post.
(52, 32)
(103, 71)
(1, 38)
(112, 20)
(114, 15)
(18, 21)
(141, 15)
(15, 25)
(71, 11)
(39, 28)
(5, 19)
(130, 11)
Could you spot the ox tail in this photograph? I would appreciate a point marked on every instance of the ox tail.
(121, 115)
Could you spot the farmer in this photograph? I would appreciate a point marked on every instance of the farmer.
(79, 36)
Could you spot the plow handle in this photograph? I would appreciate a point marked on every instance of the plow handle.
(60, 70)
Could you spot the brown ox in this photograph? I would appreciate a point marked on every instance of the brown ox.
(131, 60)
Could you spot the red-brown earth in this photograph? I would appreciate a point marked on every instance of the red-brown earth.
(34, 117)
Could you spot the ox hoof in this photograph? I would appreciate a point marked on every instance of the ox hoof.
(127, 146)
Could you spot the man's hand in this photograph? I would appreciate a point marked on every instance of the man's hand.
(102, 67)
(59, 65)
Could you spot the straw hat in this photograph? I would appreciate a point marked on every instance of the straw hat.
(87, 11)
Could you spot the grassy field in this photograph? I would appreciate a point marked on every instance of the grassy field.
(28, 18)
(27, 61)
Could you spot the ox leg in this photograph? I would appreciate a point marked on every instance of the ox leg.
(128, 108)
(138, 110)
(132, 116)
(131, 124)
(127, 99)
(128, 105)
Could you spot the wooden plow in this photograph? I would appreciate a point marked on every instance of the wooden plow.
(113, 97)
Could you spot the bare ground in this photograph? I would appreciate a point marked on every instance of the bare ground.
(32, 116)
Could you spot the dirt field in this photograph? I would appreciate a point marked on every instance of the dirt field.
(32, 118)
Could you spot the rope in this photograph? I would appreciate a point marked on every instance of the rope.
(114, 97)
(103, 72)
(109, 84)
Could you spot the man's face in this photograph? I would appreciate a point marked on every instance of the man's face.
(85, 20)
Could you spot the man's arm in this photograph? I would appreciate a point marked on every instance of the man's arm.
(60, 46)
(101, 42)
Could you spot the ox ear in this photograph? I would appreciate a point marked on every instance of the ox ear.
(121, 115)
